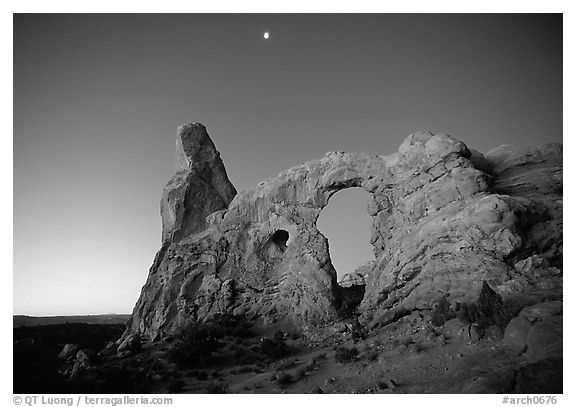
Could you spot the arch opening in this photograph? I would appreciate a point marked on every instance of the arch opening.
(347, 225)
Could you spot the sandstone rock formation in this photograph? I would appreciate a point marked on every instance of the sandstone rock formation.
(199, 187)
(537, 330)
(445, 221)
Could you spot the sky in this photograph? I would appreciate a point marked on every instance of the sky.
(97, 99)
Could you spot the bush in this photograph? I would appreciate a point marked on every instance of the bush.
(467, 313)
(489, 309)
(311, 365)
(200, 375)
(416, 348)
(283, 378)
(319, 357)
(247, 359)
(274, 348)
(217, 388)
(300, 373)
(345, 355)
(441, 312)
(405, 341)
(175, 386)
(245, 369)
(233, 325)
(287, 364)
(195, 344)
(372, 355)
(358, 333)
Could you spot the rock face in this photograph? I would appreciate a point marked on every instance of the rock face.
(446, 221)
(537, 330)
(199, 187)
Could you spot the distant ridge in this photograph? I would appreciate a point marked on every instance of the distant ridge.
(26, 320)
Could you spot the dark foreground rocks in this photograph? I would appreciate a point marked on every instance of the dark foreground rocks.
(414, 354)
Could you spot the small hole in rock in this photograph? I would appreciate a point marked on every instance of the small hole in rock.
(280, 239)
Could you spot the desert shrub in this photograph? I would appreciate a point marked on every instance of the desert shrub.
(467, 313)
(345, 355)
(387, 384)
(195, 343)
(201, 375)
(287, 364)
(175, 386)
(405, 341)
(300, 373)
(416, 347)
(247, 359)
(351, 298)
(233, 325)
(441, 312)
(275, 347)
(119, 380)
(246, 369)
(311, 365)
(217, 388)
(382, 385)
(283, 378)
(489, 309)
(319, 357)
(372, 355)
(358, 332)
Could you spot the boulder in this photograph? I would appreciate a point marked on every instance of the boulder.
(352, 279)
(476, 332)
(544, 340)
(542, 311)
(68, 350)
(516, 334)
(85, 357)
(131, 343)
(82, 363)
(536, 330)
(455, 329)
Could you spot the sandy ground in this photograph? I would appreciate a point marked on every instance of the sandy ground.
(408, 356)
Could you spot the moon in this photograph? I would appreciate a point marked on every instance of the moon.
(266, 35)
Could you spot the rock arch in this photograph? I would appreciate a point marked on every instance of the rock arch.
(439, 231)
